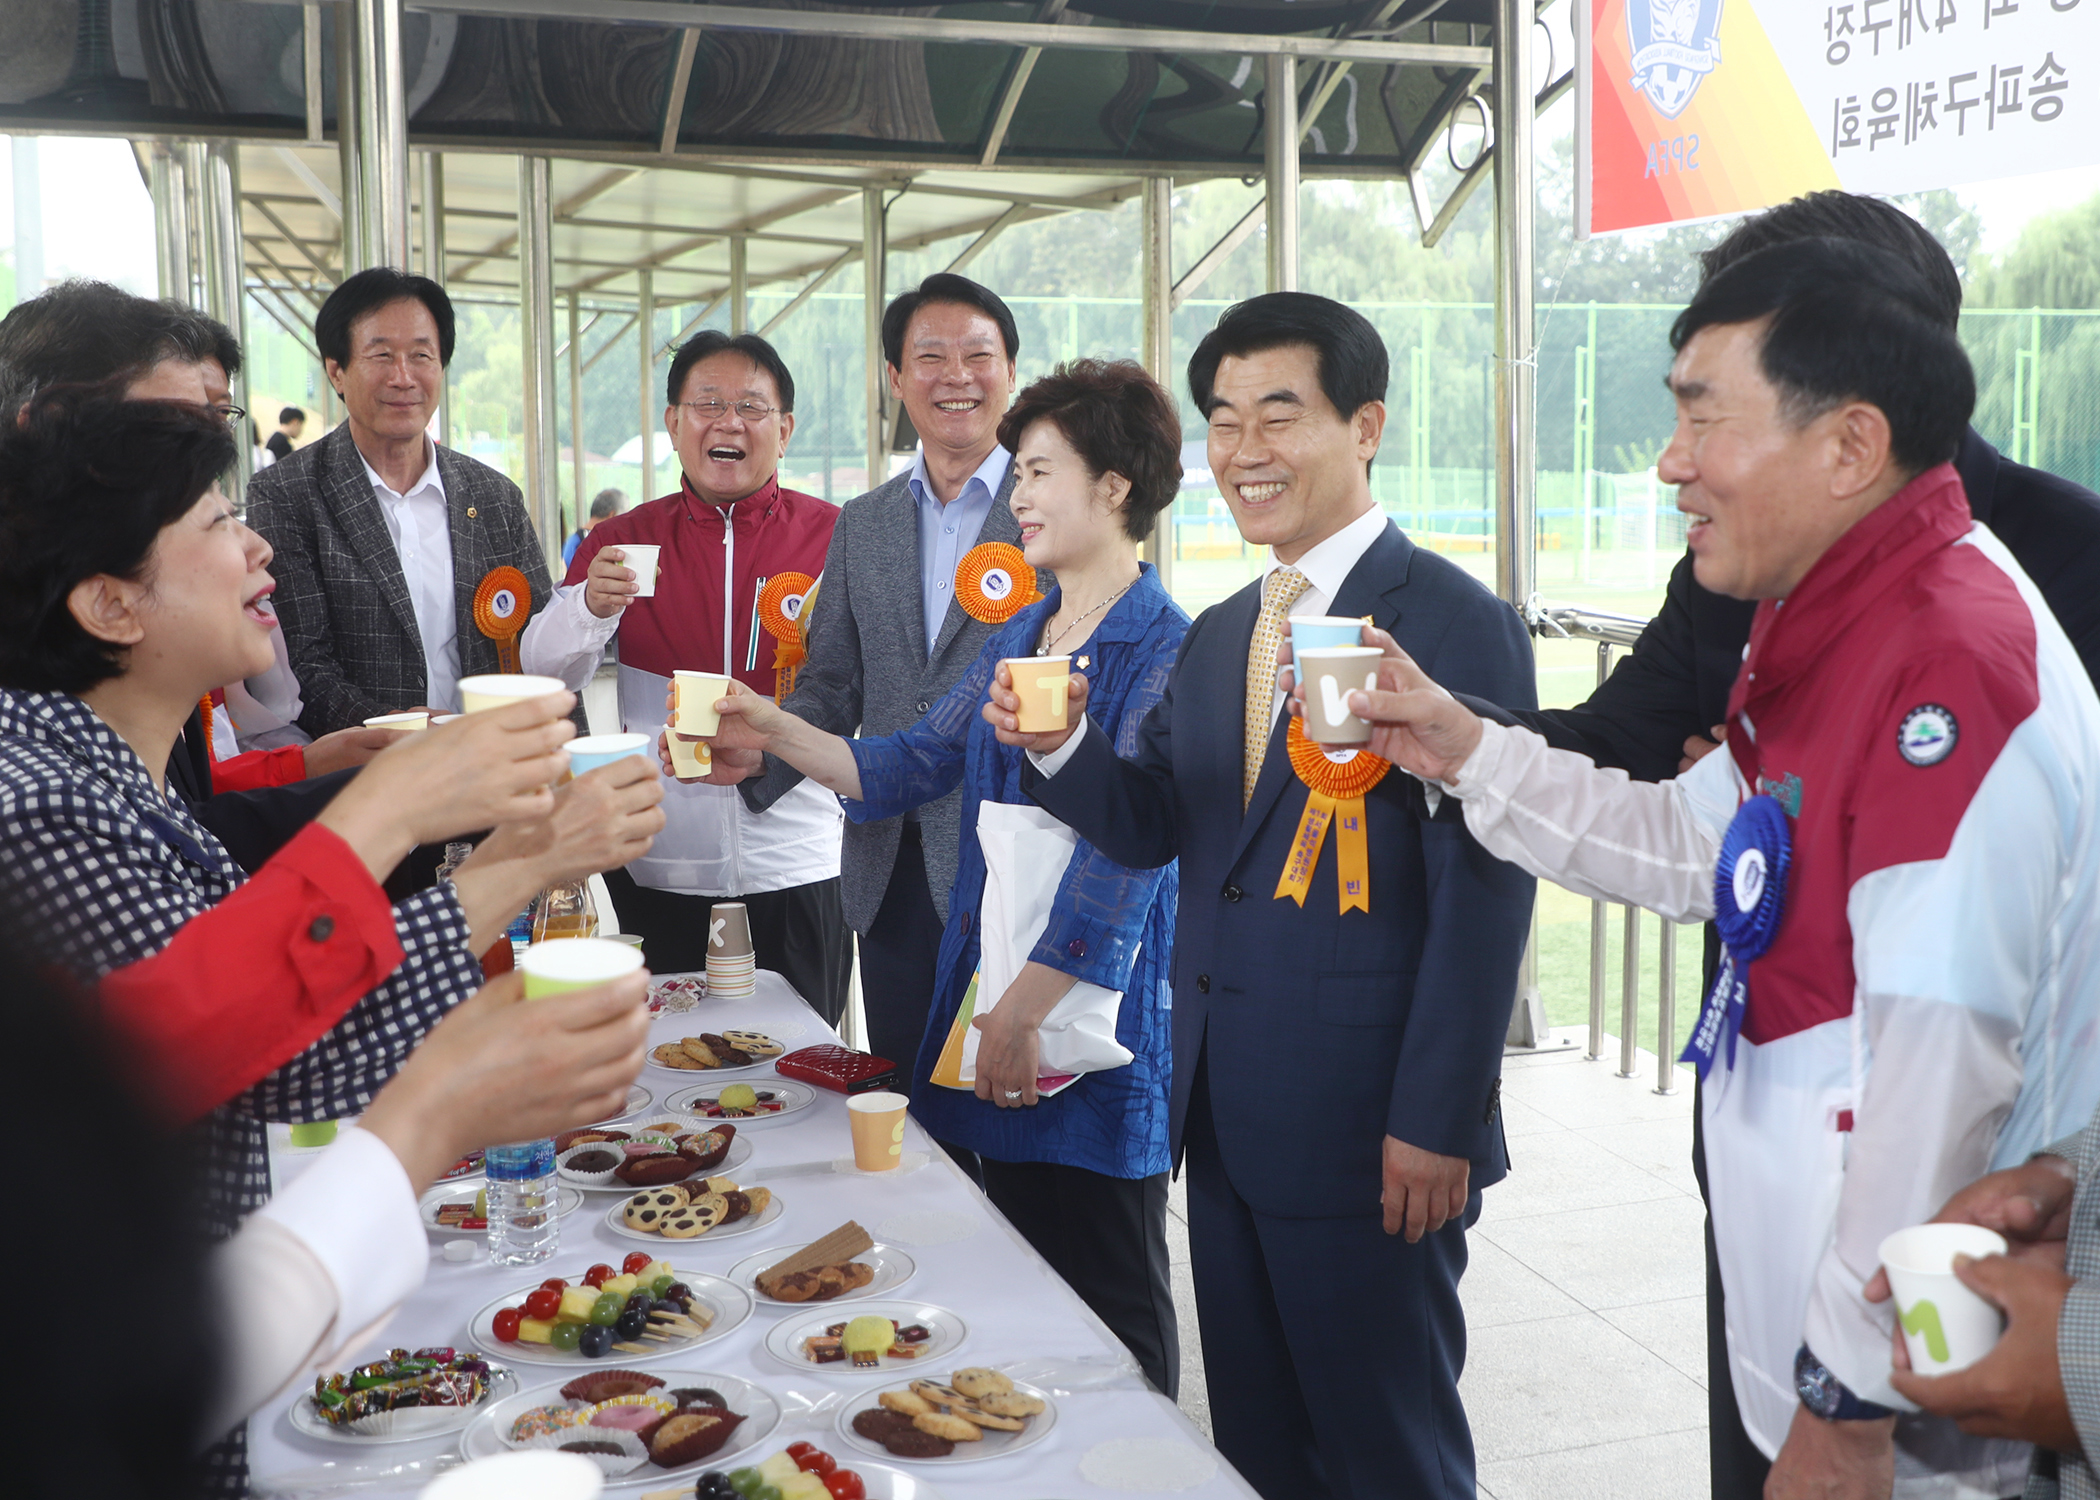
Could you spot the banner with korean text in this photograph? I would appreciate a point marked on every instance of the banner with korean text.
(1688, 109)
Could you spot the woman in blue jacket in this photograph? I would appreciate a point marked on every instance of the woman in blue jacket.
(1082, 1173)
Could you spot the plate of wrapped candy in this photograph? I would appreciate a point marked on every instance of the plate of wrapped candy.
(640, 1429)
(602, 1314)
(401, 1398)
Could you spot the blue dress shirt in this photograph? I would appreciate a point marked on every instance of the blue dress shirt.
(946, 532)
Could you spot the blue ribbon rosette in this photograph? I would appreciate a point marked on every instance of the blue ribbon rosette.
(1749, 900)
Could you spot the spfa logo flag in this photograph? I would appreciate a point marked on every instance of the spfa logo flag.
(1676, 43)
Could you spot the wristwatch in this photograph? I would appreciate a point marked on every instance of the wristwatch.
(1825, 1395)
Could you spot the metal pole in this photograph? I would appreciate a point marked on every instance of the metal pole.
(223, 274)
(536, 332)
(1157, 339)
(171, 222)
(1600, 934)
(29, 219)
(1630, 992)
(1666, 1012)
(1280, 165)
(382, 135)
(645, 335)
(310, 59)
(577, 476)
(356, 235)
(1516, 377)
(739, 285)
(196, 177)
(874, 251)
(434, 267)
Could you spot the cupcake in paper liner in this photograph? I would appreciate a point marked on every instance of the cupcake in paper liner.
(614, 1451)
(527, 1427)
(592, 1163)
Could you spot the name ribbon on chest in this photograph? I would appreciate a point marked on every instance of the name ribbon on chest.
(1336, 780)
(1749, 901)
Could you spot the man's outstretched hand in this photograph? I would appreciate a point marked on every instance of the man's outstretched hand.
(1414, 723)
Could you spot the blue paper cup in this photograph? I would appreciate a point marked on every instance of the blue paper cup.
(1309, 632)
(594, 750)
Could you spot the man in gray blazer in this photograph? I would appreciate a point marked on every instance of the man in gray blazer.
(888, 637)
(382, 537)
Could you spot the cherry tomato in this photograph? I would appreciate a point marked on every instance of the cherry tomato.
(816, 1462)
(507, 1320)
(543, 1304)
(800, 1451)
(844, 1484)
(555, 1285)
(637, 1261)
(598, 1275)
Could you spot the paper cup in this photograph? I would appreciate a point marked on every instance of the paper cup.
(643, 560)
(728, 932)
(520, 1476)
(575, 964)
(1310, 632)
(314, 1133)
(1946, 1327)
(495, 689)
(1044, 685)
(697, 692)
(1331, 674)
(878, 1130)
(591, 751)
(689, 758)
(419, 719)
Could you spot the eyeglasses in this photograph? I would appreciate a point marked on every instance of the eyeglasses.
(415, 359)
(230, 412)
(714, 411)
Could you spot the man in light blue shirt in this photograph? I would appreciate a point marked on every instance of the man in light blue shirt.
(887, 638)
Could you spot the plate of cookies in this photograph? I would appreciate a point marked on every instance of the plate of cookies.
(976, 1413)
(712, 1206)
(716, 1052)
(844, 1265)
(627, 1422)
(880, 1339)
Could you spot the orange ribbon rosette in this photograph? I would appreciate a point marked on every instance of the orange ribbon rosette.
(502, 605)
(993, 582)
(783, 608)
(1337, 780)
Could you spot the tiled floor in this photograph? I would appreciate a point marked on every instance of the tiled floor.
(1586, 1368)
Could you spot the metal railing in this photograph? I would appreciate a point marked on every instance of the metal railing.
(1613, 632)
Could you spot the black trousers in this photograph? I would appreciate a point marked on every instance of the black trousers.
(799, 933)
(1331, 1349)
(899, 955)
(1107, 1237)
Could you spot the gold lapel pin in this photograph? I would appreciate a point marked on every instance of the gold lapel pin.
(1085, 662)
(472, 513)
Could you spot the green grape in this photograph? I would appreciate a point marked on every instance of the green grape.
(566, 1336)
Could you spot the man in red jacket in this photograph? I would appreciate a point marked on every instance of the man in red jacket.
(726, 530)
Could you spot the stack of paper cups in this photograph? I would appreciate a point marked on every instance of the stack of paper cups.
(732, 967)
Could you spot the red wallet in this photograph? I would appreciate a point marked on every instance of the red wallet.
(840, 1069)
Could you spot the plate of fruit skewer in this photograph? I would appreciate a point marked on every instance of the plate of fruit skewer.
(645, 1310)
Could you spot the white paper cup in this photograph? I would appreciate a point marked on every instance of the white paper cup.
(645, 563)
(419, 719)
(697, 692)
(525, 1475)
(588, 752)
(1331, 674)
(1946, 1327)
(575, 964)
(1310, 632)
(494, 689)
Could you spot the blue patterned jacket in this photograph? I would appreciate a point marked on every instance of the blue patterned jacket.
(1111, 925)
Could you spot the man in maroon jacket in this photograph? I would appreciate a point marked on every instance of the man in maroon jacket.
(723, 533)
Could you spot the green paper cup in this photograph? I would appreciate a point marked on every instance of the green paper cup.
(319, 1133)
(575, 964)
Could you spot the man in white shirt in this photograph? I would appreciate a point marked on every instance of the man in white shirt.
(398, 563)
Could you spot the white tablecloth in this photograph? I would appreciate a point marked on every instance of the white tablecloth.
(1020, 1315)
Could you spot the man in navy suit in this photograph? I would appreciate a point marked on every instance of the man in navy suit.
(1335, 1072)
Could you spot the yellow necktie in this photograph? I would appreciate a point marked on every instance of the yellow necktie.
(1278, 592)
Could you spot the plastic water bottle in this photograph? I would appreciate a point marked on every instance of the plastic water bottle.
(523, 1229)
